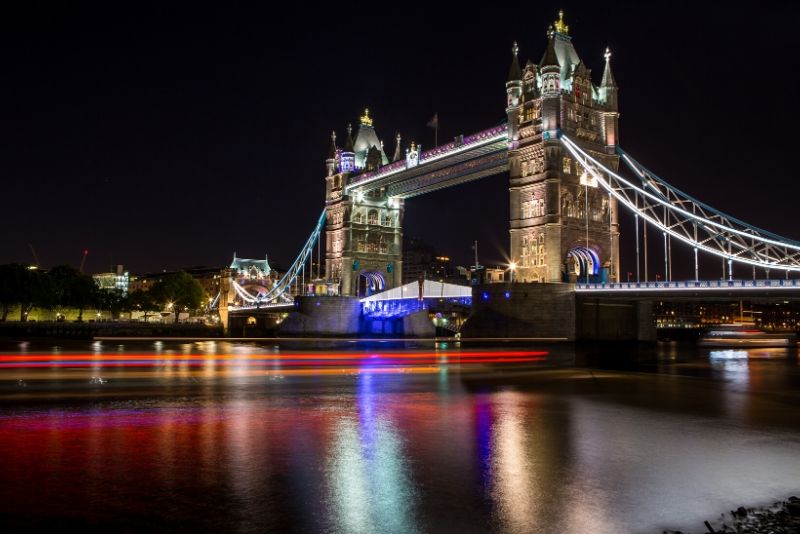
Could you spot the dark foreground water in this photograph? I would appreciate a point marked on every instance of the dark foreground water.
(376, 438)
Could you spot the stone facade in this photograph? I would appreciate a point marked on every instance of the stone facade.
(549, 190)
(363, 232)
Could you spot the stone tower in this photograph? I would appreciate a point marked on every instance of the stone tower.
(554, 237)
(363, 233)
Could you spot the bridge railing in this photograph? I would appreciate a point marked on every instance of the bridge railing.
(690, 284)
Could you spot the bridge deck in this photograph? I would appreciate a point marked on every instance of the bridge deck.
(691, 289)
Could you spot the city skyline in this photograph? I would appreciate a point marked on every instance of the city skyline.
(171, 145)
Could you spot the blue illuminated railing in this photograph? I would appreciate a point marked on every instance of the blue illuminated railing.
(690, 284)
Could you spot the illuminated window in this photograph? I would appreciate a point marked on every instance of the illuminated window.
(540, 251)
(372, 217)
(566, 165)
(527, 209)
(530, 113)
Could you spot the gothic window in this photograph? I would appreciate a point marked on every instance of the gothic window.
(540, 250)
(372, 217)
(526, 259)
(529, 113)
(358, 217)
(527, 209)
(567, 205)
(566, 165)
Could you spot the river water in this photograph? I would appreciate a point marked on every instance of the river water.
(375, 437)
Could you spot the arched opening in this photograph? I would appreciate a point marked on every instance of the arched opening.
(251, 321)
(582, 264)
(370, 282)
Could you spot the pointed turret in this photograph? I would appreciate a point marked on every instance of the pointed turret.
(549, 59)
(366, 138)
(608, 77)
(330, 163)
(347, 161)
(398, 154)
(348, 146)
(514, 73)
(332, 151)
(514, 95)
(609, 94)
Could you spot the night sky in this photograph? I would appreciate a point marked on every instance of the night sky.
(163, 138)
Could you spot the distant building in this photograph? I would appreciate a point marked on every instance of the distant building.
(421, 259)
(118, 281)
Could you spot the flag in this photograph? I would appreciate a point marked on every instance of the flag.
(434, 122)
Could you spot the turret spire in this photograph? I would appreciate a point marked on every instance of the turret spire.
(608, 77)
(348, 147)
(550, 59)
(514, 73)
(397, 153)
(332, 151)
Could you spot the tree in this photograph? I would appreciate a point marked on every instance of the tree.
(113, 300)
(143, 301)
(20, 285)
(8, 289)
(178, 291)
(25, 286)
(73, 288)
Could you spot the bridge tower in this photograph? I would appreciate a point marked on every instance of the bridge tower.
(363, 232)
(554, 237)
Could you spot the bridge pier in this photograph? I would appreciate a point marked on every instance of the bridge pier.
(554, 311)
(323, 316)
(522, 310)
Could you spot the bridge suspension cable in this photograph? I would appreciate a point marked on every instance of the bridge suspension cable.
(683, 217)
(280, 291)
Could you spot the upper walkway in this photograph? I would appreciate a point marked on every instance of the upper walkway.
(465, 159)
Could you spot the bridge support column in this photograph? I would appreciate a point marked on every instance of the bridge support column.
(522, 310)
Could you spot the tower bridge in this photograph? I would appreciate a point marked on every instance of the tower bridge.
(559, 144)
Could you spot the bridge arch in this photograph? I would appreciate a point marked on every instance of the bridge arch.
(582, 261)
(370, 282)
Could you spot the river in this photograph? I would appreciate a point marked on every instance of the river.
(386, 437)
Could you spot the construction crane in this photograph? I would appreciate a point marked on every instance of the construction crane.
(35, 257)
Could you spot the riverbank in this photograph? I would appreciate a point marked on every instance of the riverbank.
(782, 517)
(93, 329)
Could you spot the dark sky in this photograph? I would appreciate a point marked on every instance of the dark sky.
(167, 137)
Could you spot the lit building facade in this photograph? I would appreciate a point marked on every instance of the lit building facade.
(118, 281)
(363, 232)
(563, 225)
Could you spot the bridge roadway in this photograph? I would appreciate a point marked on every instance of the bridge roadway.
(465, 159)
(707, 290)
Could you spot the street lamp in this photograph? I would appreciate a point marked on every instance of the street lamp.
(629, 276)
(512, 267)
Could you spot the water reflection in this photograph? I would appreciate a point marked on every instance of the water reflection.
(514, 474)
(368, 477)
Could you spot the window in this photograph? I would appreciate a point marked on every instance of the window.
(540, 251)
(566, 165)
(358, 217)
(372, 217)
(530, 113)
